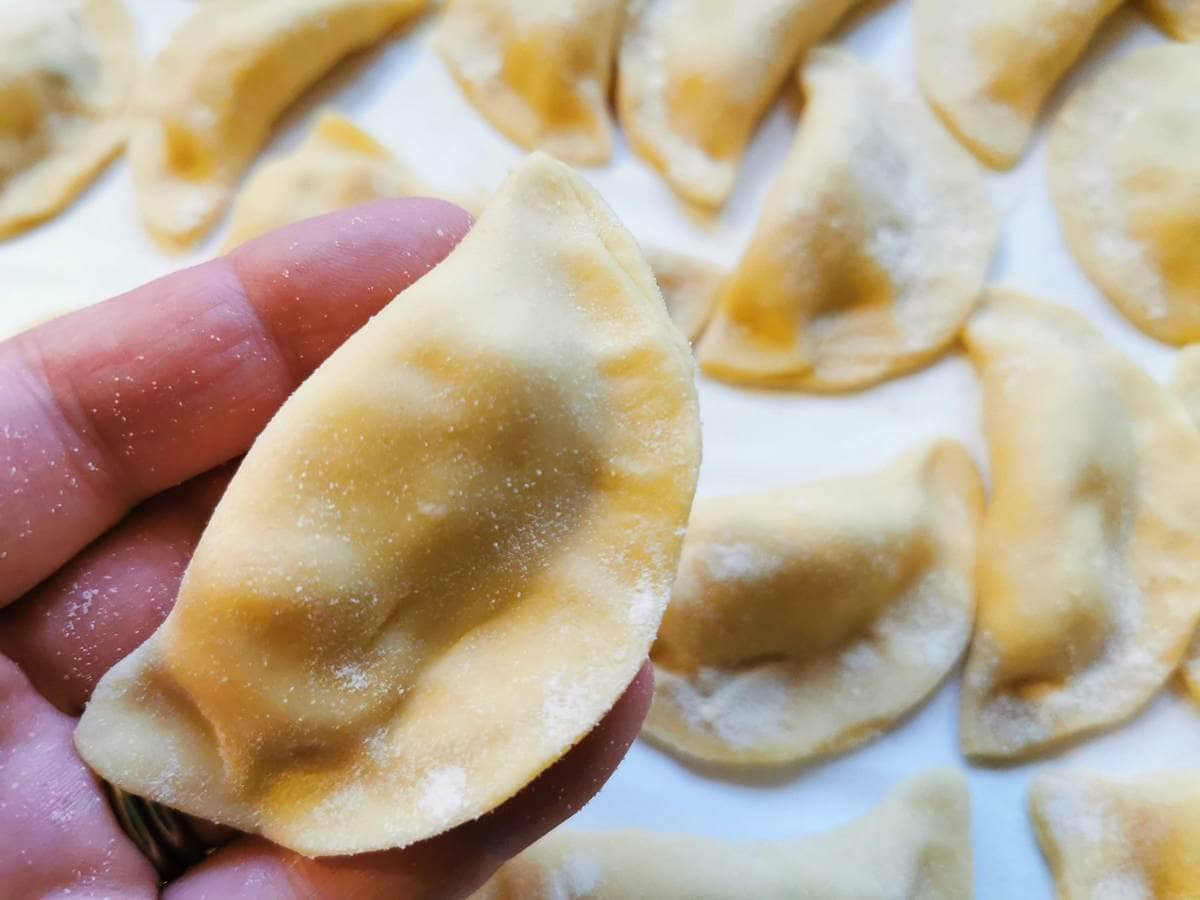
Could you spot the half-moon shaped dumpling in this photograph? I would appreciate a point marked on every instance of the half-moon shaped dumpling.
(1119, 839)
(696, 76)
(208, 101)
(987, 67)
(871, 248)
(1089, 555)
(1125, 178)
(540, 72)
(338, 165)
(1178, 18)
(66, 70)
(689, 286)
(806, 621)
(916, 845)
(443, 559)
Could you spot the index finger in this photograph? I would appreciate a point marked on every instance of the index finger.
(107, 406)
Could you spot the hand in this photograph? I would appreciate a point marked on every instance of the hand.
(118, 425)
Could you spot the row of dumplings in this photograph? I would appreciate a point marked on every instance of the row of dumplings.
(916, 845)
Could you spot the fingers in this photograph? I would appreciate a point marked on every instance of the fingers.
(112, 404)
(451, 865)
(59, 836)
(73, 627)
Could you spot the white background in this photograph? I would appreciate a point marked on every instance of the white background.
(402, 95)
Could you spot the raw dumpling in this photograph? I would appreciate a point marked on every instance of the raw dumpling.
(806, 621)
(689, 287)
(337, 166)
(871, 248)
(696, 76)
(540, 72)
(443, 559)
(208, 101)
(987, 66)
(1178, 18)
(1125, 178)
(916, 845)
(1089, 555)
(66, 69)
(1120, 839)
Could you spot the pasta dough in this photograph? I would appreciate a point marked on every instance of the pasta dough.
(689, 287)
(696, 76)
(443, 559)
(209, 99)
(804, 622)
(1090, 549)
(66, 69)
(540, 72)
(870, 250)
(1178, 18)
(916, 845)
(1125, 178)
(987, 68)
(337, 166)
(1120, 839)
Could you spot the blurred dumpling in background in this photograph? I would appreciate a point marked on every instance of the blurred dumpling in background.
(689, 286)
(987, 66)
(539, 72)
(66, 70)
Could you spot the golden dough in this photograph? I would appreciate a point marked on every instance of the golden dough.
(987, 67)
(696, 76)
(1125, 178)
(915, 845)
(1089, 554)
(66, 70)
(806, 621)
(208, 101)
(337, 166)
(1178, 18)
(539, 72)
(689, 287)
(441, 562)
(1119, 839)
(871, 248)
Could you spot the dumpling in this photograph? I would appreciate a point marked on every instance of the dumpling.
(443, 559)
(1178, 18)
(987, 67)
(66, 69)
(870, 251)
(696, 76)
(916, 845)
(337, 166)
(1125, 179)
(1089, 554)
(208, 101)
(1120, 839)
(806, 621)
(540, 72)
(689, 286)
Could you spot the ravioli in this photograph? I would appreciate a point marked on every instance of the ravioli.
(1120, 839)
(1178, 18)
(66, 70)
(870, 251)
(207, 103)
(696, 76)
(806, 621)
(443, 559)
(1125, 179)
(338, 165)
(689, 286)
(1090, 549)
(539, 72)
(915, 845)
